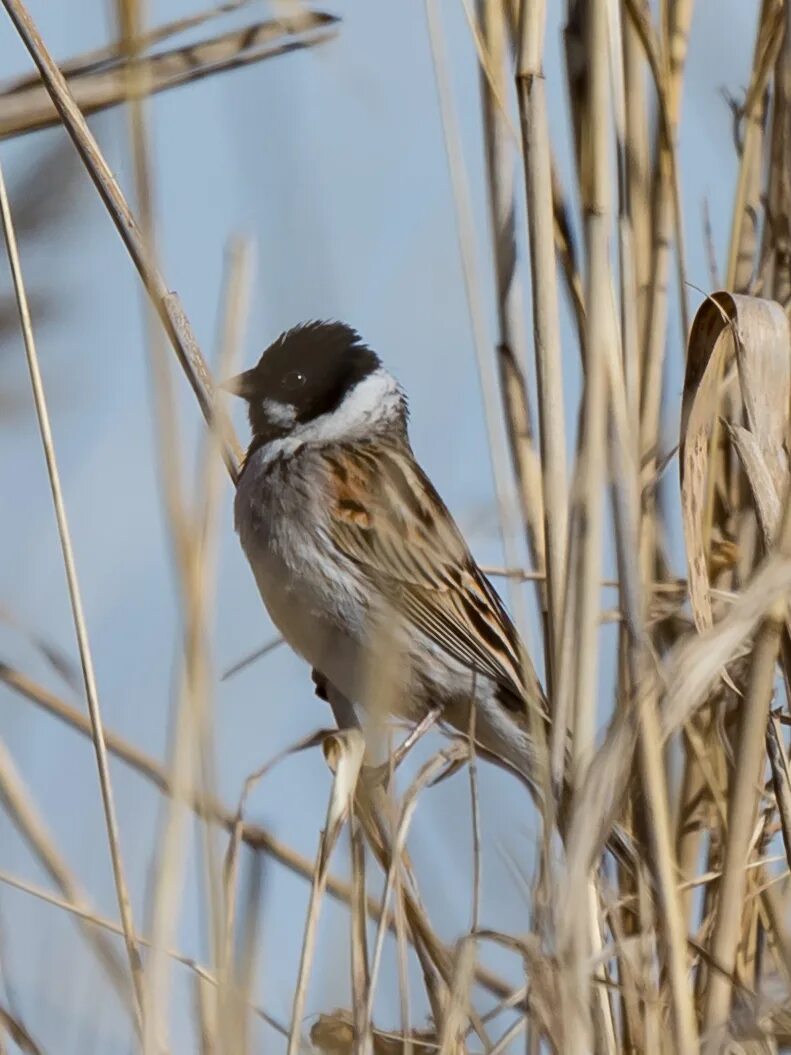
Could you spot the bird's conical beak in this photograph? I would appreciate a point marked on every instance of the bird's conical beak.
(242, 385)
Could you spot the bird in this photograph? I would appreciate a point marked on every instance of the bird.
(358, 561)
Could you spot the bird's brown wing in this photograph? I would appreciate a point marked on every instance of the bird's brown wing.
(385, 515)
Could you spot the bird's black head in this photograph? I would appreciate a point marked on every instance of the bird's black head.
(305, 374)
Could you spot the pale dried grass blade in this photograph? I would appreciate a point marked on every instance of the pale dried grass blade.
(344, 751)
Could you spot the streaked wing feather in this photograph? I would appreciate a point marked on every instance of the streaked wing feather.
(386, 516)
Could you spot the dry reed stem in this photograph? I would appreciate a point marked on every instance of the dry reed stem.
(231, 862)
(665, 211)
(585, 542)
(457, 1011)
(165, 302)
(428, 773)
(638, 191)
(465, 230)
(746, 203)
(81, 631)
(100, 80)
(499, 137)
(475, 821)
(170, 861)
(344, 751)
(233, 314)
(742, 810)
(781, 780)
(361, 975)
(546, 318)
(777, 272)
(626, 512)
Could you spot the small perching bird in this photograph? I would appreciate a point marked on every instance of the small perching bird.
(358, 561)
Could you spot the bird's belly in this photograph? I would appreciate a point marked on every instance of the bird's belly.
(322, 620)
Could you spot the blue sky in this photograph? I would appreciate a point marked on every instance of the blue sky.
(332, 161)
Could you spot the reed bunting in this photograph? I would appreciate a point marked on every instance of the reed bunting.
(358, 561)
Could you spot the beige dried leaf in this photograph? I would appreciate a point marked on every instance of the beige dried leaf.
(753, 333)
(764, 490)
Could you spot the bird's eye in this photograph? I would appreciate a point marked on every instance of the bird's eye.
(293, 380)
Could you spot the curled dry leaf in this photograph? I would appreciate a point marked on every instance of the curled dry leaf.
(753, 333)
(762, 485)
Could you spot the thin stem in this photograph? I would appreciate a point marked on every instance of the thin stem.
(83, 643)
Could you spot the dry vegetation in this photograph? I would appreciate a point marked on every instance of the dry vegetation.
(659, 915)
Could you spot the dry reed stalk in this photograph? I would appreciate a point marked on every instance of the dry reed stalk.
(512, 360)
(361, 975)
(465, 230)
(457, 1011)
(428, 773)
(170, 862)
(675, 28)
(634, 643)
(546, 320)
(232, 323)
(75, 598)
(776, 269)
(744, 796)
(746, 205)
(581, 622)
(636, 178)
(467, 250)
(101, 79)
(344, 752)
(166, 303)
